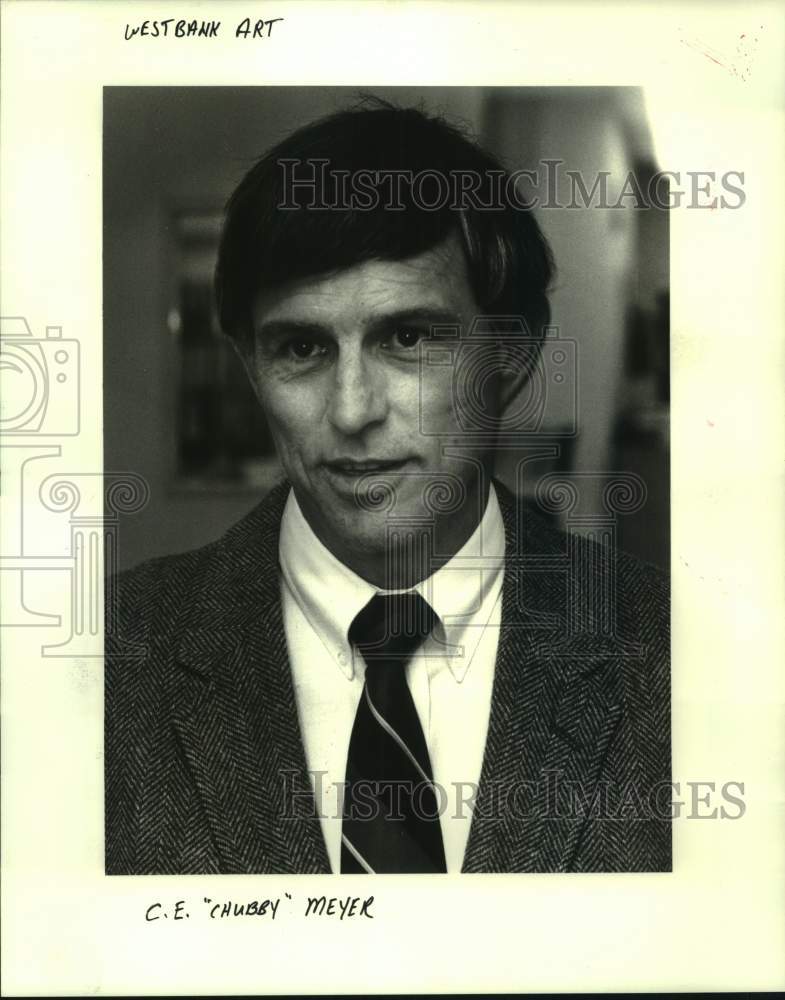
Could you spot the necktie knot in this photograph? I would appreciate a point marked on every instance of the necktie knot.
(391, 626)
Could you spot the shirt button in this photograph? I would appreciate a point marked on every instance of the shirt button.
(341, 658)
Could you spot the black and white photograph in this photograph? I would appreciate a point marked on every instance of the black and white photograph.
(438, 640)
(391, 427)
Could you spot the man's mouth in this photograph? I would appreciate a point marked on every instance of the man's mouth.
(353, 468)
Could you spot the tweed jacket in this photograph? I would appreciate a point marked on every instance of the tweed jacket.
(202, 741)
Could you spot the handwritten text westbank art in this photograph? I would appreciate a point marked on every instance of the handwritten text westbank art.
(171, 28)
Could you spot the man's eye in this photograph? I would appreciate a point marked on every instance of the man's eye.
(404, 339)
(303, 349)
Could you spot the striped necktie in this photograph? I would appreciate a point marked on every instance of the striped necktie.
(390, 808)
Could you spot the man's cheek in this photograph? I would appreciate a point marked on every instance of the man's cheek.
(445, 414)
(286, 446)
(286, 420)
(436, 405)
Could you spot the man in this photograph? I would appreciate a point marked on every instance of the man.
(390, 665)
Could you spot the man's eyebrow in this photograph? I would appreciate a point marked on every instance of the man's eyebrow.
(422, 315)
(277, 328)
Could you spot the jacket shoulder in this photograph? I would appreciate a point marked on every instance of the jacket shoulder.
(606, 606)
(633, 596)
(138, 599)
(147, 598)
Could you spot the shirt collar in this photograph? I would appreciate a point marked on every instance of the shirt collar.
(462, 592)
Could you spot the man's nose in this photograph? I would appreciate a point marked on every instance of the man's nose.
(358, 395)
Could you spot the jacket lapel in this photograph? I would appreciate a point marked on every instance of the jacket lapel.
(554, 709)
(237, 718)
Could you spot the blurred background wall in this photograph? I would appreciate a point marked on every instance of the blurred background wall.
(176, 409)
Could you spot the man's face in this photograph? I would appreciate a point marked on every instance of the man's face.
(336, 367)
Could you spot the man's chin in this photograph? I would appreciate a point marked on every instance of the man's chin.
(384, 555)
(384, 529)
(365, 531)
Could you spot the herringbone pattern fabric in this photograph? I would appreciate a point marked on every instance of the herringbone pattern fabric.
(205, 767)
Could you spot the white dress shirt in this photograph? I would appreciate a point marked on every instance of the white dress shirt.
(450, 677)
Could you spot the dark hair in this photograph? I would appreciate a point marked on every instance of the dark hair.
(275, 231)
